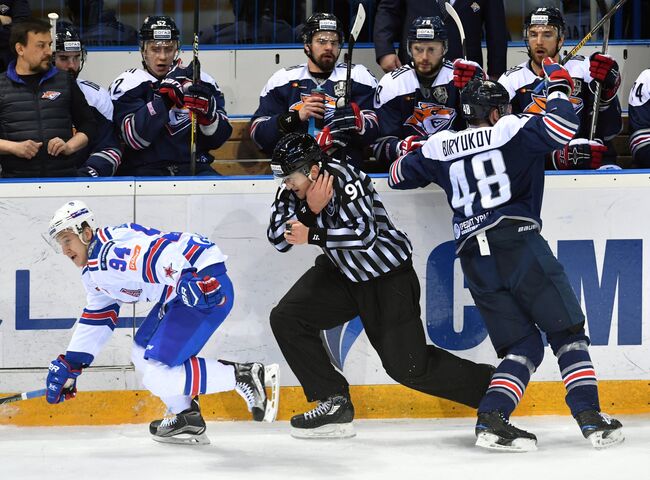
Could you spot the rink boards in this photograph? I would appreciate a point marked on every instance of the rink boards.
(596, 224)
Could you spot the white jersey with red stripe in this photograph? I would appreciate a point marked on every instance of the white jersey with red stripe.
(131, 263)
(639, 112)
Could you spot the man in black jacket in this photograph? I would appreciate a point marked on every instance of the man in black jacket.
(394, 17)
(39, 105)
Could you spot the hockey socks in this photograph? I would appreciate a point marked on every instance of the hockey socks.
(507, 386)
(579, 377)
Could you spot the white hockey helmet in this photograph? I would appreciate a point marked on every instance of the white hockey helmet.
(72, 217)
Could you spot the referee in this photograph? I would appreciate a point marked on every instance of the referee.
(365, 271)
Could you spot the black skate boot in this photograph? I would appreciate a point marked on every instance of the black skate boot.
(495, 432)
(332, 418)
(250, 380)
(186, 427)
(602, 430)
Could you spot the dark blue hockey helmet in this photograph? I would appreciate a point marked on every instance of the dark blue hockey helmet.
(427, 29)
(479, 97)
(545, 16)
(295, 152)
(68, 40)
(319, 22)
(158, 27)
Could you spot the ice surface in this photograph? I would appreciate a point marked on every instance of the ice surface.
(437, 449)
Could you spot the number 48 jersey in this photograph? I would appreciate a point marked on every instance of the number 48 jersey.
(490, 173)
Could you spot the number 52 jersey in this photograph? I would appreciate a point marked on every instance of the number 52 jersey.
(490, 173)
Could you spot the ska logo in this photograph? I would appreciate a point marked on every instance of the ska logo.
(538, 104)
(429, 118)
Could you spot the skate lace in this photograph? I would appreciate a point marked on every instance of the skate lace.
(321, 409)
(168, 421)
(248, 393)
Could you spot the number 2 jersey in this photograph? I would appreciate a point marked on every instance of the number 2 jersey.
(639, 111)
(521, 82)
(490, 173)
(131, 263)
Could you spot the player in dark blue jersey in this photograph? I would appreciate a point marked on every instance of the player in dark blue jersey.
(103, 155)
(152, 108)
(420, 98)
(544, 36)
(639, 110)
(309, 98)
(493, 175)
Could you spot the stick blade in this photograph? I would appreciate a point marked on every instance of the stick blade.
(358, 23)
(452, 13)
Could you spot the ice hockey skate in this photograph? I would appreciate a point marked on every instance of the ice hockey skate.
(495, 432)
(251, 378)
(332, 418)
(600, 429)
(186, 427)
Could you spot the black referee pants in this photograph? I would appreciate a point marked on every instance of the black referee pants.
(389, 308)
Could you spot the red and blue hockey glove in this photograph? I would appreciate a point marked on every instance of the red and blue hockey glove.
(61, 382)
(557, 78)
(199, 98)
(466, 70)
(200, 293)
(348, 119)
(172, 87)
(579, 154)
(604, 69)
(410, 143)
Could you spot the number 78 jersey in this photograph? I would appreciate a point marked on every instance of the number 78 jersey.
(490, 173)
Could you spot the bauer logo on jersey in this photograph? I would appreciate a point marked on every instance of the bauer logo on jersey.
(430, 118)
(50, 95)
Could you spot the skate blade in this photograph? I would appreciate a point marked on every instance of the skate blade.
(333, 430)
(184, 439)
(491, 442)
(272, 380)
(614, 438)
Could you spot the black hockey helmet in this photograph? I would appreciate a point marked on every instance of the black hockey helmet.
(427, 29)
(68, 40)
(545, 16)
(319, 22)
(158, 27)
(295, 152)
(479, 97)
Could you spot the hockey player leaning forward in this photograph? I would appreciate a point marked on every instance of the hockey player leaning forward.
(493, 175)
(544, 37)
(186, 275)
(152, 108)
(365, 270)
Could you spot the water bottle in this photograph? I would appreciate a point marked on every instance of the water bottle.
(316, 125)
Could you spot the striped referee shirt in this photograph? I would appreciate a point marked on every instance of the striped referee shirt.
(354, 229)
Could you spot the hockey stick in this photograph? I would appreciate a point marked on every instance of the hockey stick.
(53, 17)
(599, 86)
(196, 77)
(23, 396)
(448, 8)
(352, 39)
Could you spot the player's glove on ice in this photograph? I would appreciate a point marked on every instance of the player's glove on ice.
(557, 78)
(200, 293)
(466, 70)
(579, 154)
(61, 380)
(199, 98)
(348, 119)
(604, 69)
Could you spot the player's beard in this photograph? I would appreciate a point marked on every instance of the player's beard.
(326, 62)
(429, 70)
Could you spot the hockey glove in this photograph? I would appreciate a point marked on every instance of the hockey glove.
(200, 293)
(466, 70)
(410, 143)
(87, 172)
(199, 98)
(557, 78)
(348, 119)
(329, 141)
(604, 69)
(61, 380)
(579, 154)
(171, 91)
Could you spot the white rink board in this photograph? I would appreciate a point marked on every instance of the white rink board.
(604, 209)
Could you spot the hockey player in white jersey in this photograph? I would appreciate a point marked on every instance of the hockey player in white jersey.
(639, 112)
(104, 154)
(185, 274)
(544, 36)
(152, 108)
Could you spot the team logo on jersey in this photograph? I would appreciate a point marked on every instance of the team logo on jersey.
(440, 94)
(538, 104)
(132, 293)
(429, 118)
(179, 120)
(475, 7)
(330, 105)
(577, 86)
(50, 95)
(339, 89)
(169, 271)
(4, 9)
